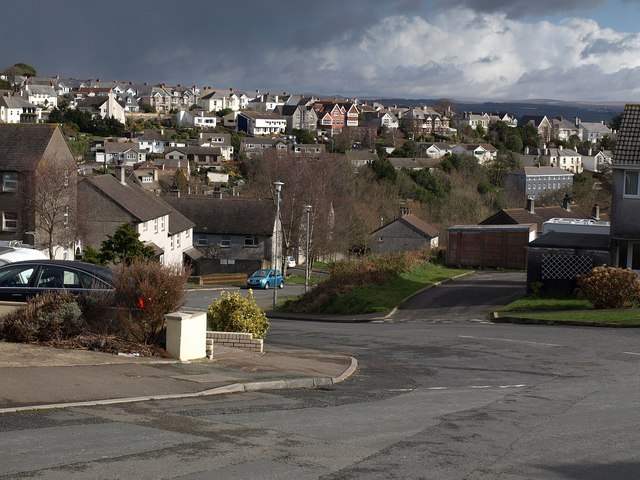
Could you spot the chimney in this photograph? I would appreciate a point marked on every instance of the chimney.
(530, 205)
(566, 202)
(122, 175)
(590, 151)
(595, 212)
(577, 122)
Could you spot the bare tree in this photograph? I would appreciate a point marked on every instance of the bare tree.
(54, 203)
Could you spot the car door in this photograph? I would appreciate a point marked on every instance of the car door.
(16, 283)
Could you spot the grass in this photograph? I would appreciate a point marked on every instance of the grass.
(386, 296)
(569, 311)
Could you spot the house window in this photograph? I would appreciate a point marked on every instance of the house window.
(178, 240)
(155, 225)
(251, 241)
(9, 221)
(629, 255)
(145, 226)
(225, 242)
(631, 185)
(171, 242)
(202, 241)
(9, 181)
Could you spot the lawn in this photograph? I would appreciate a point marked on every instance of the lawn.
(569, 311)
(386, 296)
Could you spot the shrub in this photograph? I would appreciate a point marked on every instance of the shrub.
(233, 313)
(609, 287)
(147, 291)
(45, 318)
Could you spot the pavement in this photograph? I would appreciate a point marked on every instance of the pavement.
(37, 377)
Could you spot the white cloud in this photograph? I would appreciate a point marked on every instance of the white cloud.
(466, 54)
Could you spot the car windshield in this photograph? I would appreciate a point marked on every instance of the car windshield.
(261, 273)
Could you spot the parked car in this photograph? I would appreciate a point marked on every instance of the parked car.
(265, 278)
(22, 280)
(14, 252)
(291, 262)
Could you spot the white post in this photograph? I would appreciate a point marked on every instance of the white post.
(276, 254)
(306, 272)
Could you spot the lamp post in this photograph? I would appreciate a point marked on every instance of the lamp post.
(307, 209)
(276, 253)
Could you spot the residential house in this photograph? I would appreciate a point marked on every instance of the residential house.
(541, 123)
(565, 158)
(594, 163)
(120, 153)
(535, 181)
(155, 140)
(258, 123)
(475, 120)
(43, 96)
(300, 116)
(538, 215)
(563, 129)
(483, 152)
(625, 194)
(506, 118)
(25, 150)
(334, 115)
(423, 121)
(381, 119)
(220, 140)
(15, 109)
(594, 131)
(406, 233)
(314, 150)
(158, 98)
(103, 106)
(232, 235)
(206, 157)
(434, 149)
(190, 118)
(266, 102)
(360, 158)
(256, 146)
(213, 100)
(400, 163)
(106, 202)
(146, 175)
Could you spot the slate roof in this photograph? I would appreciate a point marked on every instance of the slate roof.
(227, 216)
(414, 163)
(414, 223)
(543, 171)
(23, 145)
(519, 216)
(627, 150)
(15, 101)
(141, 205)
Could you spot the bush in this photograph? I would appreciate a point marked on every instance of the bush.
(233, 313)
(45, 318)
(609, 287)
(147, 291)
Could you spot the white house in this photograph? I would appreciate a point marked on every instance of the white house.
(594, 131)
(15, 109)
(482, 151)
(43, 96)
(196, 119)
(257, 123)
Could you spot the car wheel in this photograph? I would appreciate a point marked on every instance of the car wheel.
(266, 286)
(281, 285)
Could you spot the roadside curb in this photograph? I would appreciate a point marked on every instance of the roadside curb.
(306, 382)
(497, 318)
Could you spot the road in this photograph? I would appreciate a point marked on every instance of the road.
(441, 393)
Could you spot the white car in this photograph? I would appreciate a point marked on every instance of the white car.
(291, 262)
(11, 252)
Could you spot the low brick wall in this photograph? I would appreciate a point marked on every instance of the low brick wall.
(244, 341)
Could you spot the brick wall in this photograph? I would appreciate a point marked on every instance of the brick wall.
(244, 341)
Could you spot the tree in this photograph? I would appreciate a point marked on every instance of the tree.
(54, 203)
(124, 246)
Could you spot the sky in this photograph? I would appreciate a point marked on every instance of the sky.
(571, 50)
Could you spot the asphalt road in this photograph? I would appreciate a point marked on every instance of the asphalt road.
(441, 393)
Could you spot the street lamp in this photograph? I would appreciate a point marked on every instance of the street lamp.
(307, 208)
(276, 254)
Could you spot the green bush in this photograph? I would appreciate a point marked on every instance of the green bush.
(233, 313)
(609, 287)
(45, 318)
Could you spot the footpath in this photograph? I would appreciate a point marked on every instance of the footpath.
(37, 377)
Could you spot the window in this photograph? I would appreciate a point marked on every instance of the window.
(631, 179)
(225, 242)
(155, 225)
(9, 221)
(9, 181)
(251, 241)
(162, 223)
(202, 241)
(178, 239)
(171, 242)
(145, 226)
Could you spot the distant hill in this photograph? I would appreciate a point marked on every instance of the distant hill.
(586, 111)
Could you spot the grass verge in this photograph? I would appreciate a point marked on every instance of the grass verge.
(386, 296)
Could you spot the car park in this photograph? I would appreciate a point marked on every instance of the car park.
(21, 280)
(265, 278)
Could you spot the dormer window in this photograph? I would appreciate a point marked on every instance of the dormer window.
(9, 181)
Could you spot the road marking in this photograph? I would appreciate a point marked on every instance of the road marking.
(509, 340)
(631, 353)
(479, 387)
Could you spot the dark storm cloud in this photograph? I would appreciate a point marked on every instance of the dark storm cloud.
(522, 8)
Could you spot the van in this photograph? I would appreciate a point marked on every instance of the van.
(14, 251)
